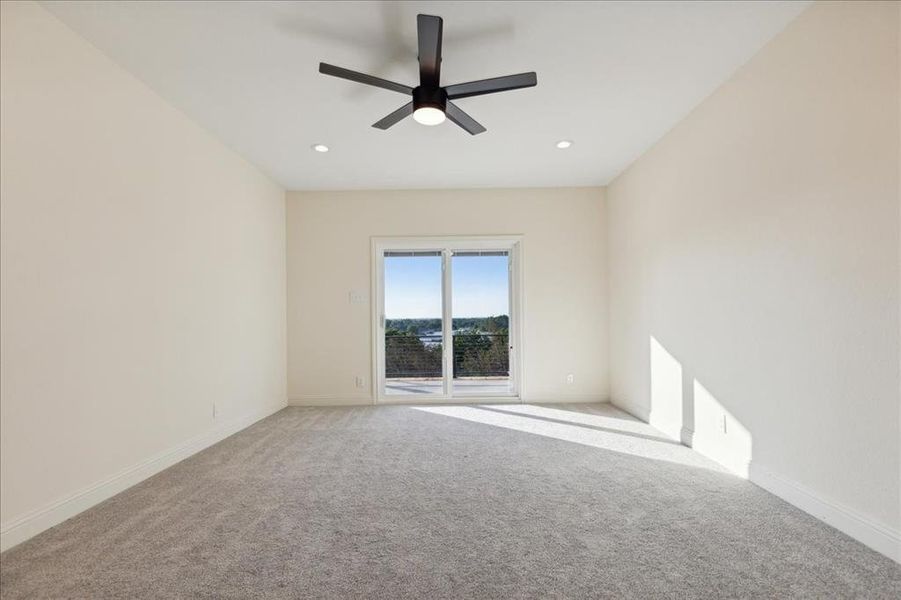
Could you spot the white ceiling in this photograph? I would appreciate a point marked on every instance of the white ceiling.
(612, 76)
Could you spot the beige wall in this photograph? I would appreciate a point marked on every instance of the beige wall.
(564, 325)
(143, 278)
(754, 275)
(751, 256)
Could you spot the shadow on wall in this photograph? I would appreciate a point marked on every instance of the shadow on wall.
(686, 410)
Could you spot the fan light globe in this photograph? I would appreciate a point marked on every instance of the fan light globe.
(428, 115)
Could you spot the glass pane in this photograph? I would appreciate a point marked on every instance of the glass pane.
(413, 323)
(481, 323)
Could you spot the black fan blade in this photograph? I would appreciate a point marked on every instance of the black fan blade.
(491, 86)
(334, 71)
(456, 114)
(429, 31)
(404, 111)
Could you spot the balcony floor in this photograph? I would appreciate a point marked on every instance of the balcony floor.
(470, 386)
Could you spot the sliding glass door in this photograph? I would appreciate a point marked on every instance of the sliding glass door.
(480, 309)
(413, 334)
(446, 318)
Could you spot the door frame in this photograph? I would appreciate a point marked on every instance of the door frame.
(446, 245)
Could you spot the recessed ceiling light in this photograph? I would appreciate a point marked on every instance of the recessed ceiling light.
(563, 144)
(319, 147)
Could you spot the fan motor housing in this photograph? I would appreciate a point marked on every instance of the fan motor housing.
(429, 97)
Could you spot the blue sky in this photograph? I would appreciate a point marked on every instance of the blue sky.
(413, 286)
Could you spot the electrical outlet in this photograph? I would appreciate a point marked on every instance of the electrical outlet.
(359, 381)
(214, 410)
(570, 378)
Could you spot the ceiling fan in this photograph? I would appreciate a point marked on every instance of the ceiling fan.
(432, 103)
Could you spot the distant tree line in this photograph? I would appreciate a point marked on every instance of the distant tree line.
(486, 324)
(481, 347)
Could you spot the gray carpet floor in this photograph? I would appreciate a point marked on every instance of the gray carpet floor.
(446, 502)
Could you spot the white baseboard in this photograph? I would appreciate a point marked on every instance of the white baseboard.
(367, 400)
(564, 399)
(361, 400)
(714, 448)
(639, 412)
(845, 519)
(16, 531)
(863, 529)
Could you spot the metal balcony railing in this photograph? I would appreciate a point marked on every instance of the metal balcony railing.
(475, 354)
